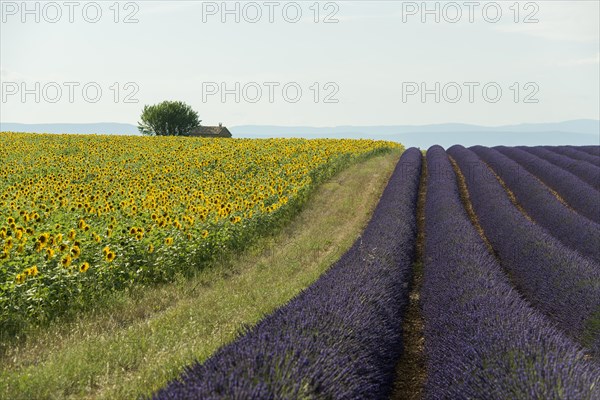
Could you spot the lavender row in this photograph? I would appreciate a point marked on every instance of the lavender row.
(585, 171)
(559, 281)
(339, 339)
(576, 154)
(579, 195)
(593, 150)
(571, 228)
(482, 341)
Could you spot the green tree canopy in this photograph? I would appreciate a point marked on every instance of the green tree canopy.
(169, 118)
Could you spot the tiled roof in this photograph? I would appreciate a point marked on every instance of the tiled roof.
(211, 131)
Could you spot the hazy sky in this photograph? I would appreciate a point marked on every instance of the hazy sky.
(355, 62)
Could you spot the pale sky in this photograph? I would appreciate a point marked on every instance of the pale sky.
(373, 57)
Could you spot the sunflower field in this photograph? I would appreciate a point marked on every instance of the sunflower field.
(84, 215)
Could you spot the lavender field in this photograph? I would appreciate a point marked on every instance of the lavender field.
(478, 277)
(300, 200)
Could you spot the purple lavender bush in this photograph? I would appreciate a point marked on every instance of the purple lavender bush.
(339, 339)
(593, 150)
(579, 195)
(482, 340)
(585, 171)
(557, 280)
(576, 153)
(571, 228)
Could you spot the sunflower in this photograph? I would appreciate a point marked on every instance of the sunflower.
(33, 271)
(169, 241)
(50, 253)
(204, 234)
(20, 278)
(66, 261)
(43, 239)
(110, 256)
(76, 252)
(72, 234)
(139, 236)
(84, 267)
(151, 248)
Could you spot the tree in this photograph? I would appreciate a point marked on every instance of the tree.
(169, 118)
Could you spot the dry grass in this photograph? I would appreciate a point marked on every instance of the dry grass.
(144, 338)
(466, 200)
(411, 368)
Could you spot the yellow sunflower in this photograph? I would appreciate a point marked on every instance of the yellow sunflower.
(66, 261)
(110, 256)
(20, 278)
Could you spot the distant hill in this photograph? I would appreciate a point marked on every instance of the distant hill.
(576, 132)
(586, 126)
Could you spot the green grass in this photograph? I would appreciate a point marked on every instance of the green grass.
(145, 337)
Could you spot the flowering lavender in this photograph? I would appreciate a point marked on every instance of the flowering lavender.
(576, 153)
(585, 171)
(571, 228)
(579, 195)
(342, 336)
(482, 340)
(593, 150)
(557, 280)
